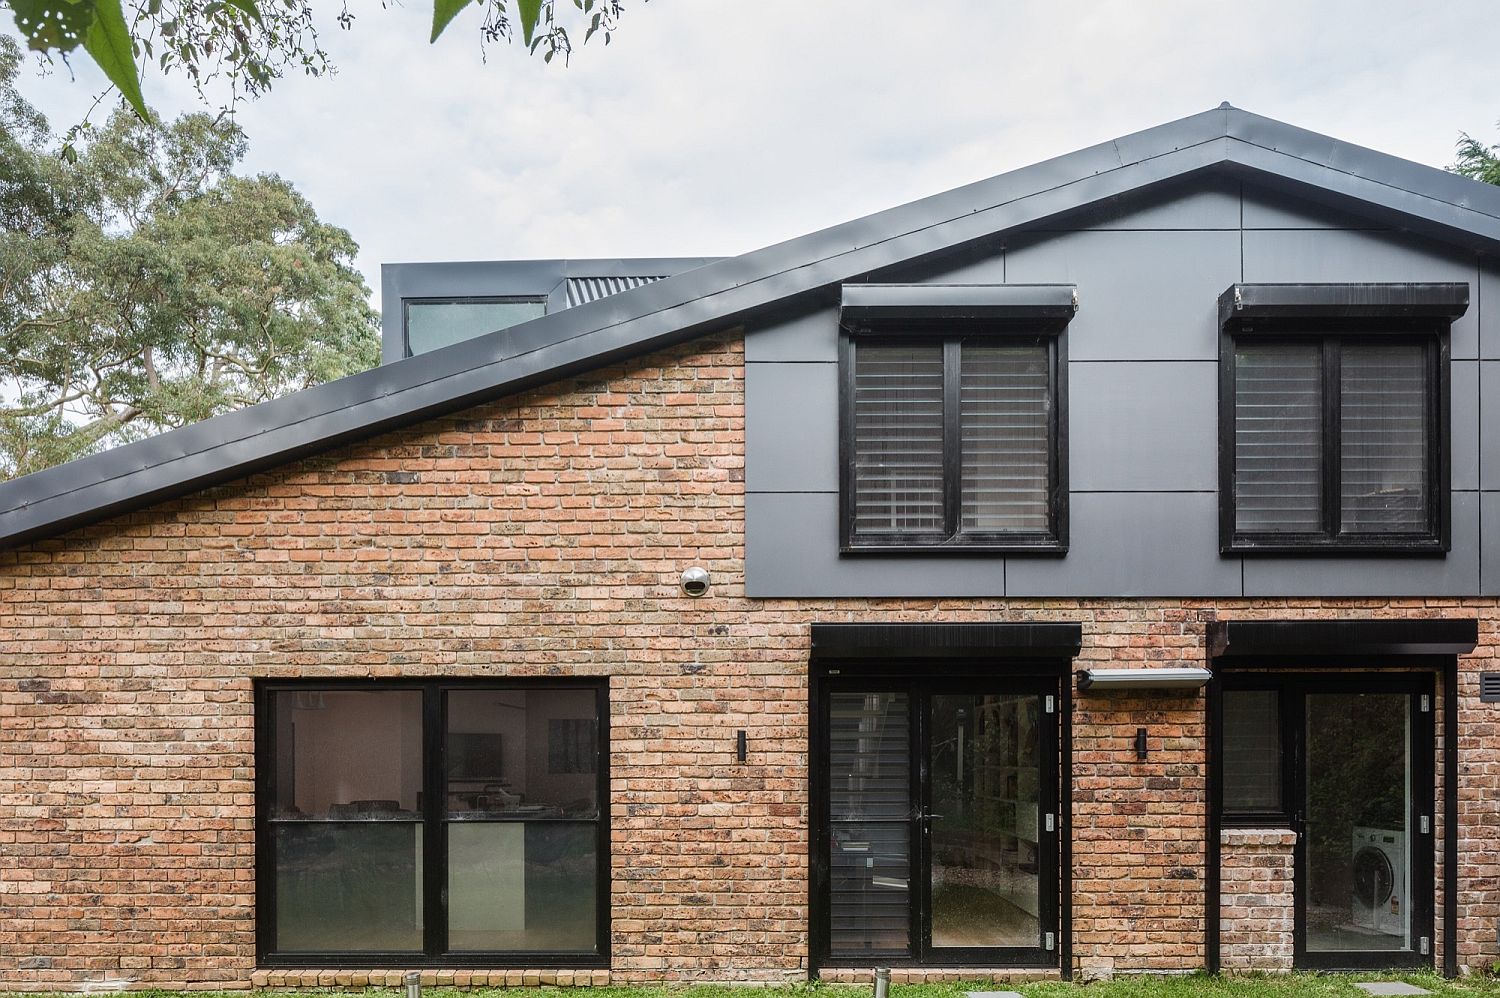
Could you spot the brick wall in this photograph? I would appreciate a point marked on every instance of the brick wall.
(1255, 914)
(542, 535)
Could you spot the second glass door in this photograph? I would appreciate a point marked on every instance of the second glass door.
(941, 824)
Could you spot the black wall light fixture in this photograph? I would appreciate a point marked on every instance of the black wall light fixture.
(1140, 743)
(741, 747)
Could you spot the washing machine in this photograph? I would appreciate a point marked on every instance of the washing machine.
(1380, 885)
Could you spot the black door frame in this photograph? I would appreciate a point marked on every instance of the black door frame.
(1294, 688)
(916, 679)
(1423, 900)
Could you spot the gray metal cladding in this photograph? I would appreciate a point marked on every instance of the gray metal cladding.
(1143, 413)
(581, 290)
(1148, 426)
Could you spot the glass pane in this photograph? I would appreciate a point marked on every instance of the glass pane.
(1278, 437)
(986, 795)
(1358, 797)
(1252, 751)
(348, 755)
(1383, 426)
(348, 886)
(1005, 406)
(522, 886)
(431, 325)
(523, 753)
(870, 806)
(898, 439)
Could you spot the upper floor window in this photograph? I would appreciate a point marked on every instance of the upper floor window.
(953, 423)
(435, 323)
(1335, 417)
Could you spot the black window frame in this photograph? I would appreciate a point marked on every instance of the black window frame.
(407, 303)
(433, 822)
(1332, 334)
(952, 334)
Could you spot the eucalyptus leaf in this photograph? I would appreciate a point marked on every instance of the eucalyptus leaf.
(443, 13)
(530, 11)
(108, 42)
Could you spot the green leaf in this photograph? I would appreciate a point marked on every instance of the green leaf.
(530, 12)
(49, 25)
(108, 41)
(443, 13)
(248, 7)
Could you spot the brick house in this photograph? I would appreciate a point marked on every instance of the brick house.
(1090, 570)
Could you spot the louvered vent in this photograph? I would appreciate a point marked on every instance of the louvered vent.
(1278, 438)
(1489, 687)
(898, 439)
(582, 290)
(1383, 438)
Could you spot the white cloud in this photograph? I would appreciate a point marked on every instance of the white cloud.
(712, 127)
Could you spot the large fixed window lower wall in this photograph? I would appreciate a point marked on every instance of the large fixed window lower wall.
(410, 823)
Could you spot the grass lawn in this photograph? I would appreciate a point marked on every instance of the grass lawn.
(1192, 986)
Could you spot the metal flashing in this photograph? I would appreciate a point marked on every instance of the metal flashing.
(724, 294)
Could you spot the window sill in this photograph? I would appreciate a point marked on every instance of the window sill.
(449, 977)
(1047, 549)
(1425, 547)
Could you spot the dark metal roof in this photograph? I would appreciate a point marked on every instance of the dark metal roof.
(720, 295)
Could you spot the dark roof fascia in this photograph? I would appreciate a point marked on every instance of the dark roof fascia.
(725, 294)
(906, 641)
(1343, 301)
(1266, 640)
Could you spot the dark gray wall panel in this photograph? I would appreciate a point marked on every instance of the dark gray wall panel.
(791, 549)
(812, 337)
(1327, 256)
(1489, 416)
(1266, 209)
(1489, 569)
(1488, 305)
(1143, 426)
(1455, 575)
(1134, 544)
(791, 428)
(1141, 295)
(1464, 418)
(1196, 203)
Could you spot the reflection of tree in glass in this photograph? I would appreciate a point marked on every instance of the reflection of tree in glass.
(1356, 762)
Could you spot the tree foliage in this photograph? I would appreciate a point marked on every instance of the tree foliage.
(1477, 160)
(248, 44)
(144, 285)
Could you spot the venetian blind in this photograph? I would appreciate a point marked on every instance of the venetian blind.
(898, 439)
(1005, 418)
(1278, 437)
(1383, 438)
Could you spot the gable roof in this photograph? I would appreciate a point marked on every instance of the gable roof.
(1276, 155)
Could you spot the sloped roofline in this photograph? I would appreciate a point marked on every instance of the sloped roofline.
(1394, 191)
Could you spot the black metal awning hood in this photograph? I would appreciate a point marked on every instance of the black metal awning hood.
(1279, 639)
(726, 293)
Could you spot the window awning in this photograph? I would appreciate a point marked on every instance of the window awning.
(1272, 639)
(1099, 680)
(891, 640)
(879, 302)
(1343, 301)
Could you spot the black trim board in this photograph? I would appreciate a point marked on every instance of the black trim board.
(905, 641)
(1421, 200)
(1300, 639)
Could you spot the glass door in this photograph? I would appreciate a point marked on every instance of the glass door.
(1364, 850)
(938, 821)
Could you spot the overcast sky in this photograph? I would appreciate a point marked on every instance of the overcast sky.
(713, 127)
